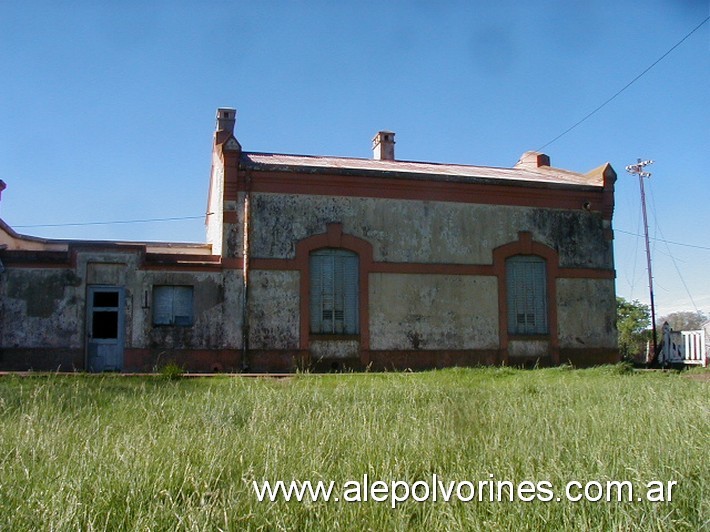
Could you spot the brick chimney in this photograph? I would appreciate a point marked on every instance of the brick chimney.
(533, 159)
(226, 117)
(383, 146)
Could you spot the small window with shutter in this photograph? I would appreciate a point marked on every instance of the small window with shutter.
(526, 283)
(172, 305)
(334, 292)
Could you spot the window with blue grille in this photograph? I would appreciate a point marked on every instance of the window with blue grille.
(526, 283)
(334, 290)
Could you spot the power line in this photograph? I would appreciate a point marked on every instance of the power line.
(115, 222)
(179, 218)
(658, 226)
(609, 100)
(663, 240)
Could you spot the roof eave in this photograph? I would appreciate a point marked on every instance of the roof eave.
(247, 164)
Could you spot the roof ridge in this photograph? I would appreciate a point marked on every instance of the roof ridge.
(389, 162)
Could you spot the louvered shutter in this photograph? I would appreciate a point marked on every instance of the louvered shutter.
(527, 295)
(182, 305)
(162, 305)
(172, 305)
(338, 293)
(334, 292)
(350, 294)
(316, 293)
(327, 294)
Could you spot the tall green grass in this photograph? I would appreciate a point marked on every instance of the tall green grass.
(130, 453)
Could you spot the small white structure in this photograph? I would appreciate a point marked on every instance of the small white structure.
(683, 347)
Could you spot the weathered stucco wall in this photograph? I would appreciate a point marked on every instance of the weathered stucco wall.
(233, 230)
(274, 310)
(528, 349)
(215, 200)
(433, 312)
(586, 313)
(42, 308)
(408, 313)
(426, 231)
(329, 349)
(208, 331)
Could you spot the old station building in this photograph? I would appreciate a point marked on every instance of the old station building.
(332, 263)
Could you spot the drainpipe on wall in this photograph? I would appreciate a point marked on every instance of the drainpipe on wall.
(245, 274)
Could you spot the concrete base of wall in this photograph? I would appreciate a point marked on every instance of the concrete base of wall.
(290, 361)
(41, 359)
(197, 360)
(585, 358)
(434, 359)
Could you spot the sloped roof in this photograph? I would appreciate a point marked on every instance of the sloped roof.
(418, 170)
(10, 240)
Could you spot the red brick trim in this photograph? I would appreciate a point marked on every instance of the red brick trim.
(230, 162)
(35, 259)
(435, 268)
(333, 238)
(585, 273)
(229, 217)
(528, 194)
(182, 267)
(233, 263)
(36, 265)
(274, 264)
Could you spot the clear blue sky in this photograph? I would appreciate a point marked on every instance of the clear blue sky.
(107, 111)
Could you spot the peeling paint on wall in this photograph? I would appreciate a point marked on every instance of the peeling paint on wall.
(578, 237)
(583, 313)
(427, 232)
(274, 310)
(433, 312)
(42, 308)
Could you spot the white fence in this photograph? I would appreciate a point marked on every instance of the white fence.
(683, 347)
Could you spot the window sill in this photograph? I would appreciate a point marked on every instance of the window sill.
(332, 337)
(529, 337)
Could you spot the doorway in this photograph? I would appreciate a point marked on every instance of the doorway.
(105, 328)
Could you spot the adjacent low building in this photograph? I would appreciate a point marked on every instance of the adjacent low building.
(332, 263)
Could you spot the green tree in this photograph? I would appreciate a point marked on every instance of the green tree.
(633, 320)
(684, 321)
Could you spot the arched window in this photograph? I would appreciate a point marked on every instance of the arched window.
(334, 291)
(526, 283)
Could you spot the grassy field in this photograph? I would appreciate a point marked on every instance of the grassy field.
(138, 453)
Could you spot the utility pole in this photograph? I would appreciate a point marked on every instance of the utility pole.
(638, 169)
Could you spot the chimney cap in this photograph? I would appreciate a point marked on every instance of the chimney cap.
(383, 145)
(383, 135)
(226, 117)
(226, 112)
